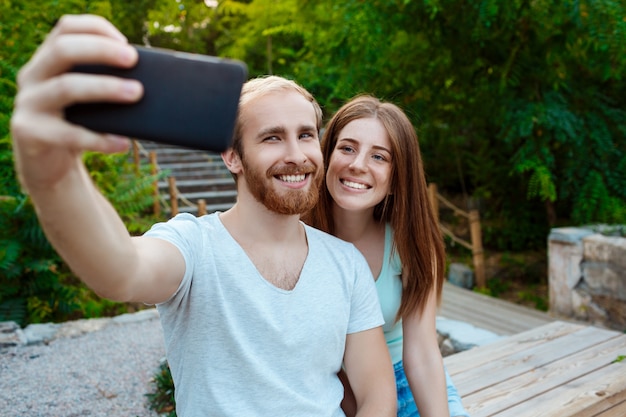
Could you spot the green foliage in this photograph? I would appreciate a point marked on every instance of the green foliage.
(162, 398)
(495, 287)
(35, 284)
(517, 102)
(130, 18)
(539, 302)
(263, 33)
(31, 273)
(130, 192)
(185, 25)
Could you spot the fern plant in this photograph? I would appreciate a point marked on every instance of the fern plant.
(35, 284)
(162, 399)
(31, 273)
(130, 189)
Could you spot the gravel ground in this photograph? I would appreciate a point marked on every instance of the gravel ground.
(101, 373)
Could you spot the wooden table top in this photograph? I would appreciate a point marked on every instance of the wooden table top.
(558, 369)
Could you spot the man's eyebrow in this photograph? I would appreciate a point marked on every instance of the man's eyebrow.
(272, 130)
(308, 128)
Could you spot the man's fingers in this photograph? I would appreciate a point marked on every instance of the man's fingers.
(67, 51)
(46, 146)
(86, 23)
(51, 132)
(53, 95)
(78, 39)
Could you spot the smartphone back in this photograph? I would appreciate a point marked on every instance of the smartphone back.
(189, 100)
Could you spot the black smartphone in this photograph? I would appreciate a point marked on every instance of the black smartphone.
(190, 100)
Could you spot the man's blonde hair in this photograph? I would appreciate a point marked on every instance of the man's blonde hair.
(258, 87)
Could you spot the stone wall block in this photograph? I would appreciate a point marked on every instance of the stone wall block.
(605, 279)
(581, 303)
(587, 276)
(461, 275)
(565, 254)
(608, 249)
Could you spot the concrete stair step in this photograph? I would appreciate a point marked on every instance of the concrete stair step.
(198, 175)
(206, 177)
(193, 165)
(210, 208)
(207, 195)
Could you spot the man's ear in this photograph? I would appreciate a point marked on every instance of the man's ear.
(232, 161)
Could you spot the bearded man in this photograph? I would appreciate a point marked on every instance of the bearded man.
(259, 311)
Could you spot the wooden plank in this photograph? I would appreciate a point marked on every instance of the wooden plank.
(529, 359)
(585, 396)
(618, 410)
(489, 313)
(537, 381)
(477, 357)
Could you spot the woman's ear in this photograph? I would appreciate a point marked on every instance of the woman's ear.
(232, 161)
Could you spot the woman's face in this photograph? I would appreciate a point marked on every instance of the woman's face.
(359, 170)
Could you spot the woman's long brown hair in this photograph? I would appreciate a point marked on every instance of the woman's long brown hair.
(417, 237)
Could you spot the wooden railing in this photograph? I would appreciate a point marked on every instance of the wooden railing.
(473, 217)
(174, 193)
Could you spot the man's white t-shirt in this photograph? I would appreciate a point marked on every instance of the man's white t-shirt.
(239, 346)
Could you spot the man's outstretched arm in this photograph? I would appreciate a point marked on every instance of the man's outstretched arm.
(79, 222)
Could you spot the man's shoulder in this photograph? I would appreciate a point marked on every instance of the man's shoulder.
(185, 224)
(324, 237)
(323, 241)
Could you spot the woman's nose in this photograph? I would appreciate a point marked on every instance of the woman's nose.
(359, 163)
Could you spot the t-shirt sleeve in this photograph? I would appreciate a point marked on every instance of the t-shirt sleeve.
(182, 231)
(365, 312)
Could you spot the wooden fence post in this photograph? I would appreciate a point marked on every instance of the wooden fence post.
(201, 207)
(434, 202)
(136, 156)
(173, 197)
(156, 204)
(477, 248)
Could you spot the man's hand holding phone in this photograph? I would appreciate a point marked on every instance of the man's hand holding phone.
(189, 100)
(46, 147)
(86, 89)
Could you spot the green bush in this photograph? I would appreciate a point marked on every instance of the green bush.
(35, 284)
(162, 398)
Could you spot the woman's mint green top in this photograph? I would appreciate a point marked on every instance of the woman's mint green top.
(389, 287)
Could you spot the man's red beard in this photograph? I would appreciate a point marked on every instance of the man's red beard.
(289, 202)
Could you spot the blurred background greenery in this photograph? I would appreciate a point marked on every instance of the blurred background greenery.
(520, 107)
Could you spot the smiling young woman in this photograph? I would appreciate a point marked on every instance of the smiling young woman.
(375, 196)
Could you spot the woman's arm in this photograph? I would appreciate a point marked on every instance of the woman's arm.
(423, 363)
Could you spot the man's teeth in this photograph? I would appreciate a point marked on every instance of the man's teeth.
(292, 178)
(354, 185)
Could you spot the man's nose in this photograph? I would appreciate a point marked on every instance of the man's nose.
(294, 152)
